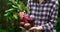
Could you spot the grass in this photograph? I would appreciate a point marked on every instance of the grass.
(58, 25)
(3, 30)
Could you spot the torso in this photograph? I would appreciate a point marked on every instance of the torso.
(41, 12)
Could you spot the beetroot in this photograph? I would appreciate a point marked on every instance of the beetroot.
(27, 23)
(22, 24)
(27, 26)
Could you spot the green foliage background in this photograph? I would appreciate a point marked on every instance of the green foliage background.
(3, 24)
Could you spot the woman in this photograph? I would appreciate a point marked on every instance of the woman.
(45, 14)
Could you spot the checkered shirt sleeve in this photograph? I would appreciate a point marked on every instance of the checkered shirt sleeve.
(30, 14)
(53, 14)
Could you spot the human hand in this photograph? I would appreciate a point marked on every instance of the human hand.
(22, 28)
(39, 28)
(33, 28)
(21, 14)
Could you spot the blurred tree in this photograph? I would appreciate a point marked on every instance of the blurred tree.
(59, 9)
(3, 7)
(12, 14)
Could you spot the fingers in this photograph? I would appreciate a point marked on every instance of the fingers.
(22, 28)
(33, 28)
(36, 28)
(21, 14)
(39, 28)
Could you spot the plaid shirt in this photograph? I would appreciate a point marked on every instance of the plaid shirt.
(45, 14)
